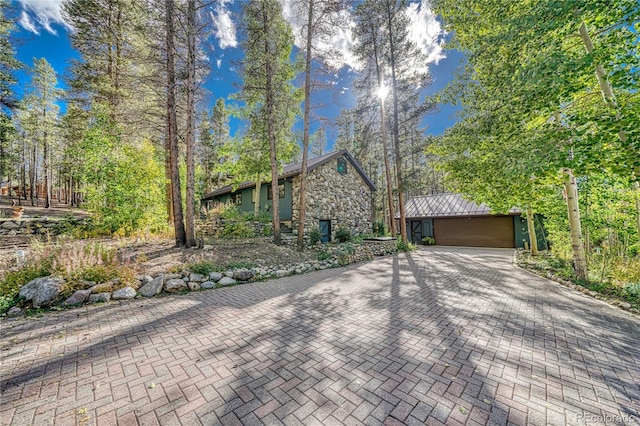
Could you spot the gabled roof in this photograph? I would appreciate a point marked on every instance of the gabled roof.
(294, 169)
(446, 205)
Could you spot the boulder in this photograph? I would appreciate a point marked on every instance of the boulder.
(78, 298)
(195, 277)
(14, 311)
(10, 225)
(175, 284)
(208, 285)
(124, 294)
(215, 276)
(168, 277)
(42, 291)
(86, 283)
(193, 285)
(145, 279)
(99, 297)
(228, 274)
(153, 287)
(227, 281)
(102, 288)
(282, 273)
(243, 274)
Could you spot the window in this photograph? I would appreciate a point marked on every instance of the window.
(342, 166)
(280, 192)
(237, 198)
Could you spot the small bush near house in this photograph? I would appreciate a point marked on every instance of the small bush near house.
(408, 246)
(378, 228)
(324, 256)
(234, 230)
(428, 241)
(315, 236)
(343, 235)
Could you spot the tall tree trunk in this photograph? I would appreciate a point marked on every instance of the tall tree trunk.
(305, 132)
(571, 190)
(172, 126)
(33, 192)
(271, 132)
(46, 167)
(636, 186)
(533, 240)
(191, 112)
(396, 133)
(256, 205)
(609, 97)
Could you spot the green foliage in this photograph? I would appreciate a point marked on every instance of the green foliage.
(323, 255)
(343, 252)
(204, 267)
(378, 228)
(124, 184)
(12, 281)
(315, 236)
(242, 264)
(408, 246)
(429, 241)
(631, 292)
(233, 230)
(343, 235)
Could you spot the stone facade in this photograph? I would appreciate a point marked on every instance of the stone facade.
(344, 199)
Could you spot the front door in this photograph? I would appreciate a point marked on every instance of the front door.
(416, 231)
(325, 231)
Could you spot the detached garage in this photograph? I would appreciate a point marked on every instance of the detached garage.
(453, 221)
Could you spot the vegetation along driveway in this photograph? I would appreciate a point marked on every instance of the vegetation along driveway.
(434, 336)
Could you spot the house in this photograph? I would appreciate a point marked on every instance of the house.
(453, 221)
(338, 195)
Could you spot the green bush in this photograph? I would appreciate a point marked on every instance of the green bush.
(631, 292)
(343, 235)
(408, 246)
(315, 236)
(203, 267)
(234, 230)
(323, 256)
(378, 228)
(429, 241)
(11, 283)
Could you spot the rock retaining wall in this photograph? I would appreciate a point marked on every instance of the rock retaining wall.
(38, 226)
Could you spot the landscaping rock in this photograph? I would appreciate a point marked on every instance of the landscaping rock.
(168, 277)
(215, 276)
(227, 281)
(174, 285)
(282, 273)
(196, 278)
(78, 298)
(99, 297)
(102, 288)
(86, 283)
(42, 291)
(208, 285)
(14, 311)
(145, 279)
(193, 285)
(625, 305)
(153, 287)
(10, 225)
(124, 294)
(243, 274)
(228, 274)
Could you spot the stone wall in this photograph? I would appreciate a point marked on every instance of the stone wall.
(345, 200)
(37, 226)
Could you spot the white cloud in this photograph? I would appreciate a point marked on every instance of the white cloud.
(335, 49)
(224, 27)
(426, 31)
(218, 63)
(26, 23)
(38, 14)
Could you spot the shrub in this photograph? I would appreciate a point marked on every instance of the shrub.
(378, 228)
(429, 241)
(203, 267)
(408, 246)
(631, 292)
(315, 236)
(343, 235)
(323, 256)
(11, 283)
(234, 230)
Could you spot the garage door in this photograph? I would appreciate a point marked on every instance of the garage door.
(475, 231)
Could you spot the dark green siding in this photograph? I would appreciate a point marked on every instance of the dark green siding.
(522, 233)
(248, 207)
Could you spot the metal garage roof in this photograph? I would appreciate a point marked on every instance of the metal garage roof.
(445, 205)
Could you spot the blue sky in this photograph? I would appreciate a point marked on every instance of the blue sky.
(42, 32)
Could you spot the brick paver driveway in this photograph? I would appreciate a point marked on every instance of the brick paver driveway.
(435, 336)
